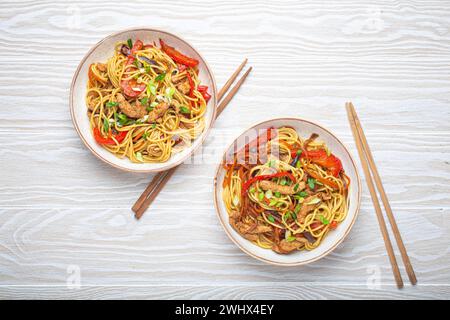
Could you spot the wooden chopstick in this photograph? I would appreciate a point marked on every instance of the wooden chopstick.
(167, 174)
(230, 81)
(384, 199)
(161, 178)
(370, 185)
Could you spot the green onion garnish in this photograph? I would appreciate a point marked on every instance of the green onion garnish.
(185, 110)
(154, 125)
(277, 194)
(302, 194)
(160, 77)
(130, 43)
(261, 196)
(144, 100)
(170, 92)
(311, 183)
(110, 104)
(324, 220)
(271, 218)
(151, 88)
(139, 156)
(291, 238)
(106, 124)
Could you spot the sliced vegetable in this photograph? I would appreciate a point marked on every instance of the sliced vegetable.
(204, 91)
(170, 92)
(144, 100)
(109, 141)
(324, 220)
(330, 162)
(160, 77)
(271, 218)
(125, 50)
(291, 238)
(311, 183)
(111, 104)
(261, 196)
(151, 88)
(106, 125)
(139, 156)
(302, 194)
(132, 88)
(185, 110)
(178, 56)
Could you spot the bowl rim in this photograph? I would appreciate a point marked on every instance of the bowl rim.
(204, 133)
(263, 259)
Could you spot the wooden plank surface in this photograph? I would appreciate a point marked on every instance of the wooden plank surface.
(63, 211)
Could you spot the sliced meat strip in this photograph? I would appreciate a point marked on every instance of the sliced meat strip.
(183, 87)
(269, 185)
(285, 246)
(158, 111)
(135, 111)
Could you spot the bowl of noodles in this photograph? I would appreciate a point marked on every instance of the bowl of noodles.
(143, 100)
(287, 191)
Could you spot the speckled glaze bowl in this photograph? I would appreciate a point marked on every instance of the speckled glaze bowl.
(305, 128)
(101, 52)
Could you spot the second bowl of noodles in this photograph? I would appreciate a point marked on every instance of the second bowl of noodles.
(287, 191)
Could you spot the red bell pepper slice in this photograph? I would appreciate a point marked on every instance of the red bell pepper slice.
(178, 56)
(249, 182)
(321, 158)
(109, 141)
(204, 91)
(191, 85)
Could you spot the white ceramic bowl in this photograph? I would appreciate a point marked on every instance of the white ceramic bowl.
(305, 128)
(100, 53)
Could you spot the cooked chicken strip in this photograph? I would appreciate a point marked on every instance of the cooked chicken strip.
(285, 246)
(307, 208)
(183, 87)
(132, 111)
(269, 185)
(158, 111)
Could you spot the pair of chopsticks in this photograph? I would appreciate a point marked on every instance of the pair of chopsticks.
(368, 163)
(159, 181)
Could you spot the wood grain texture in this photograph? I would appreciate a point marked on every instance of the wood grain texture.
(62, 208)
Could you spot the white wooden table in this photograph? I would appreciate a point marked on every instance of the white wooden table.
(63, 213)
